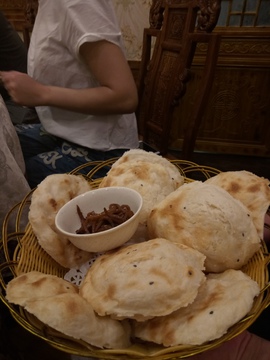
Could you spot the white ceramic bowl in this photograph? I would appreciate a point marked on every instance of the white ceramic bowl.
(67, 220)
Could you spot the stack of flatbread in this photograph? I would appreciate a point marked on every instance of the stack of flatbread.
(182, 284)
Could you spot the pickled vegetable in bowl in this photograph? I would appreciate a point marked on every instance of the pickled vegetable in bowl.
(101, 219)
(109, 218)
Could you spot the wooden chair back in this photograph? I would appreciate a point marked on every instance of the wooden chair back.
(176, 27)
(31, 8)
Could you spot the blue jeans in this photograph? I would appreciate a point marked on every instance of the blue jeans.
(45, 154)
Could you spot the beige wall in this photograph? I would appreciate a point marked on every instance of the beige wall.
(133, 17)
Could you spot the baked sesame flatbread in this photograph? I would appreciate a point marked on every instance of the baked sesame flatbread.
(208, 219)
(144, 280)
(139, 155)
(222, 300)
(50, 195)
(252, 190)
(36, 285)
(57, 303)
(153, 176)
(72, 315)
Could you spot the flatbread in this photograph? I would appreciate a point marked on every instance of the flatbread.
(72, 315)
(57, 303)
(50, 195)
(252, 190)
(208, 219)
(36, 285)
(139, 155)
(153, 176)
(222, 301)
(144, 280)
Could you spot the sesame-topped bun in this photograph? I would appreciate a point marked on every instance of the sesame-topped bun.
(135, 155)
(208, 219)
(252, 190)
(222, 300)
(144, 280)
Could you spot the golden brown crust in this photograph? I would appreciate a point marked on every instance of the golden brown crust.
(144, 280)
(222, 300)
(208, 219)
(253, 191)
(153, 176)
(57, 303)
(51, 194)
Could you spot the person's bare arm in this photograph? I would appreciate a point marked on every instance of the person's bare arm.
(117, 92)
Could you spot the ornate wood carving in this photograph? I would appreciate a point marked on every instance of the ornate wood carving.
(31, 11)
(236, 120)
(156, 14)
(209, 11)
(164, 77)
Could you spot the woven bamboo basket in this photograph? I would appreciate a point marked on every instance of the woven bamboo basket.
(21, 253)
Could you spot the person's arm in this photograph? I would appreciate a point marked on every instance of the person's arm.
(116, 94)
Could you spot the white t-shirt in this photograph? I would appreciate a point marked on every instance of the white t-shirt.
(61, 27)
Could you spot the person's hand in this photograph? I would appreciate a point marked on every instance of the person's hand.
(245, 346)
(23, 89)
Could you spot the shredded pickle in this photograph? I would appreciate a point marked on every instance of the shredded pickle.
(109, 218)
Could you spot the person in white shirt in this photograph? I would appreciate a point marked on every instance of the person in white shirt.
(81, 85)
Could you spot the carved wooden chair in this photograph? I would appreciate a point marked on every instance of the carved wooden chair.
(31, 8)
(176, 26)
